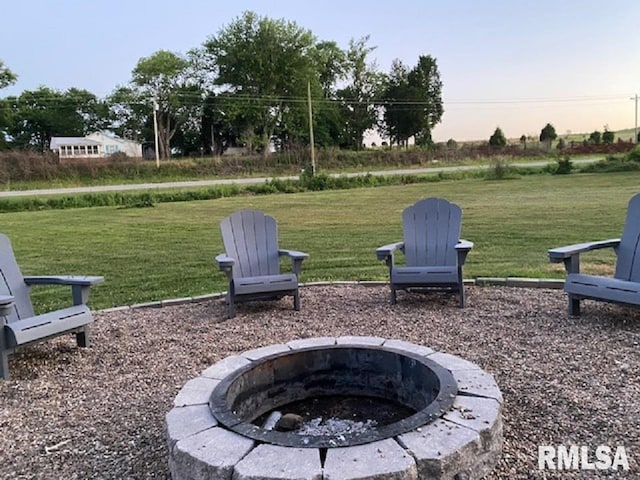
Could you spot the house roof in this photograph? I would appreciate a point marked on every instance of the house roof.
(57, 142)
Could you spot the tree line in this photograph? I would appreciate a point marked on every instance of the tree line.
(248, 85)
(548, 135)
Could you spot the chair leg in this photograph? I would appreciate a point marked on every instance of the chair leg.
(461, 297)
(296, 301)
(574, 306)
(4, 364)
(231, 308)
(394, 300)
(82, 337)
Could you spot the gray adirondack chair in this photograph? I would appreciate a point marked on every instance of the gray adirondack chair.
(624, 287)
(432, 248)
(21, 326)
(252, 260)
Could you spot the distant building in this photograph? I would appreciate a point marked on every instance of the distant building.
(95, 145)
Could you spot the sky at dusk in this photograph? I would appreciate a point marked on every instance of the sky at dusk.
(512, 64)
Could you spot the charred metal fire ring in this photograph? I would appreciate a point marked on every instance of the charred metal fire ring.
(411, 380)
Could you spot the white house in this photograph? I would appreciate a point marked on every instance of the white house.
(95, 145)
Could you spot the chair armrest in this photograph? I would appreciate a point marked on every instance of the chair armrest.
(80, 284)
(463, 247)
(387, 251)
(6, 304)
(73, 280)
(293, 254)
(296, 259)
(6, 300)
(570, 254)
(224, 262)
(557, 255)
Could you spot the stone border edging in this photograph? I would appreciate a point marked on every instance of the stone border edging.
(517, 282)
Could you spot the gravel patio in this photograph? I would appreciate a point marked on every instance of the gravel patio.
(98, 413)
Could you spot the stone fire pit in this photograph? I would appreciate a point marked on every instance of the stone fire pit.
(452, 430)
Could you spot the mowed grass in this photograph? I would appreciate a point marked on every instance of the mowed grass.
(167, 251)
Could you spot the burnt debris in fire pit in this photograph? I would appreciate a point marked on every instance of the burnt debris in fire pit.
(337, 415)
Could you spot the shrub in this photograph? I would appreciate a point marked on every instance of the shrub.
(564, 166)
(499, 170)
(634, 155)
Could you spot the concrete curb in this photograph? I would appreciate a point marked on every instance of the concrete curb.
(516, 282)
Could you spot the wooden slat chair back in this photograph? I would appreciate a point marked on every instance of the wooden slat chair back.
(628, 252)
(252, 260)
(251, 238)
(431, 230)
(12, 283)
(434, 253)
(20, 325)
(624, 286)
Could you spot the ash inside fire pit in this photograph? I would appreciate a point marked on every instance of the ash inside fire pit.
(337, 415)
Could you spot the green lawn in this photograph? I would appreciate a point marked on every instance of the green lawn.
(167, 251)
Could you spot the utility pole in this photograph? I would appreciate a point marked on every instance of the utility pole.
(313, 156)
(635, 129)
(155, 131)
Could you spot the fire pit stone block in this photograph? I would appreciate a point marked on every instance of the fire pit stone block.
(466, 442)
(182, 422)
(378, 460)
(212, 453)
(275, 462)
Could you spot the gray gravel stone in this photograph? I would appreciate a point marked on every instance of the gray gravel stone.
(110, 400)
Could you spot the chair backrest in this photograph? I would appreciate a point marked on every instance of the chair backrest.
(431, 231)
(251, 238)
(12, 282)
(628, 263)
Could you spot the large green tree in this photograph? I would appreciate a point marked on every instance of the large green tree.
(413, 101)
(131, 113)
(425, 79)
(263, 65)
(400, 116)
(548, 134)
(171, 84)
(7, 77)
(35, 116)
(359, 99)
